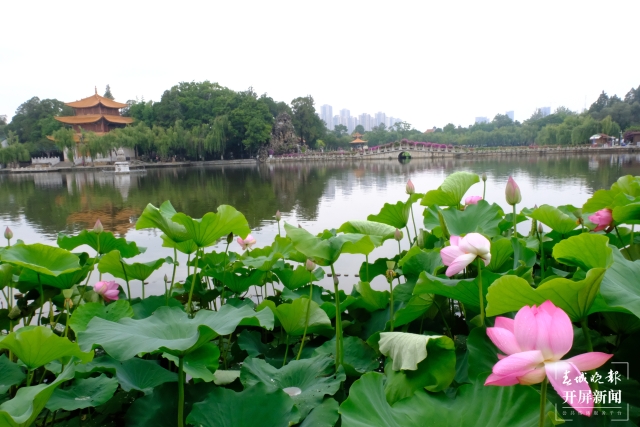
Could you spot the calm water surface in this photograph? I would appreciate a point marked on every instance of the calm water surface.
(317, 196)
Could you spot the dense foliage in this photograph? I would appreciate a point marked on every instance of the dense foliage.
(249, 338)
(204, 120)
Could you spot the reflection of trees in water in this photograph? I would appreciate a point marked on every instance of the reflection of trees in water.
(55, 202)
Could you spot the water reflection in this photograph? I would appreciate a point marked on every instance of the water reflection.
(317, 195)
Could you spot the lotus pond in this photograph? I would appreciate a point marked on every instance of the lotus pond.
(514, 316)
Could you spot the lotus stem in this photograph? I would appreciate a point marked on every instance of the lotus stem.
(515, 232)
(41, 300)
(444, 320)
(306, 320)
(142, 282)
(193, 282)
(406, 227)
(391, 303)
(543, 401)
(484, 190)
(338, 319)
(126, 279)
(414, 221)
(286, 351)
(615, 227)
(181, 391)
(173, 275)
(480, 292)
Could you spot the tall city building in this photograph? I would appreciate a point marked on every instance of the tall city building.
(393, 121)
(366, 121)
(336, 121)
(545, 111)
(380, 118)
(326, 114)
(510, 115)
(482, 120)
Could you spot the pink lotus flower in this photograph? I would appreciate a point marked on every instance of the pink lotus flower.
(512, 192)
(108, 290)
(463, 251)
(534, 343)
(8, 234)
(410, 188)
(246, 243)
(603, 218)
(98, 228)
(472, 200)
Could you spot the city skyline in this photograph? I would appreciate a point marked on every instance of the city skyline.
(368, 122)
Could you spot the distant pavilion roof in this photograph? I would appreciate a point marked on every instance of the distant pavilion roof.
(92, 118)
(357, 139)
(94, 100)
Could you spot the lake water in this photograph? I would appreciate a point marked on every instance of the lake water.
(314, 195)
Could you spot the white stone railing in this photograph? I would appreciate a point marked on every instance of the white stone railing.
(45, 160)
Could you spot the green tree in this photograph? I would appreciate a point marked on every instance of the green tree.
(305, 120)
(340, 130)
(34, 119)
(359, 129)
(107, 93)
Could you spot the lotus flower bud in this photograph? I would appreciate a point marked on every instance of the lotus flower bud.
(603, 219)
(540, 229)
(14, 313)
(310, 265)
(8, 234)
(166, 278)
(397, 235)
(230, 238)
(484, 177)
(420, 240)
(335, 280)
(410, 187)
(278, 216)
(98, 228)
(512, 192)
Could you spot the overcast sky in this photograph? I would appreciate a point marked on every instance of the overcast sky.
(427, 62)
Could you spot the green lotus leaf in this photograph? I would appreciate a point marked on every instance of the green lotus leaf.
(222, 377)
(417, 260)
(12, 374)
(482, 353)
(265, 258)
(628, 214)
(61, 281)
(85, 312)
(298, 277)
(36, 346)
(6, 275)
(515, 406)
(113, 264)
(169, 330)
(358, 356)
(396, 216)
(324, 415)
(238, 283)
(369, 271)
(554, 218)
(149, 305)
(481, 218)
(576, 298)
(212, 226)
(133, 374)
(452, 190)
(465, 290)
(83, 393)
(369, 299)
(292, 317)
(200, 363)
(619, 286)
(251, 342)
(627, 184)
(435, 373)
(160, 407)
(369, 228)
(601, 199)
(187, 247)
(327, 251)
(407, 350)
(24, 408)
(226, 408)
(315, 377)
(414, 308)
(160, 218)
(42, 259)
(108, 243)
(585, 250)
(501, 253)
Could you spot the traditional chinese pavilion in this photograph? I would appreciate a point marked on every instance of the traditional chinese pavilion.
(95, 114)
(357, 141)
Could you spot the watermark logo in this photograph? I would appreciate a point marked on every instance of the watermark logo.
(604, 402)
